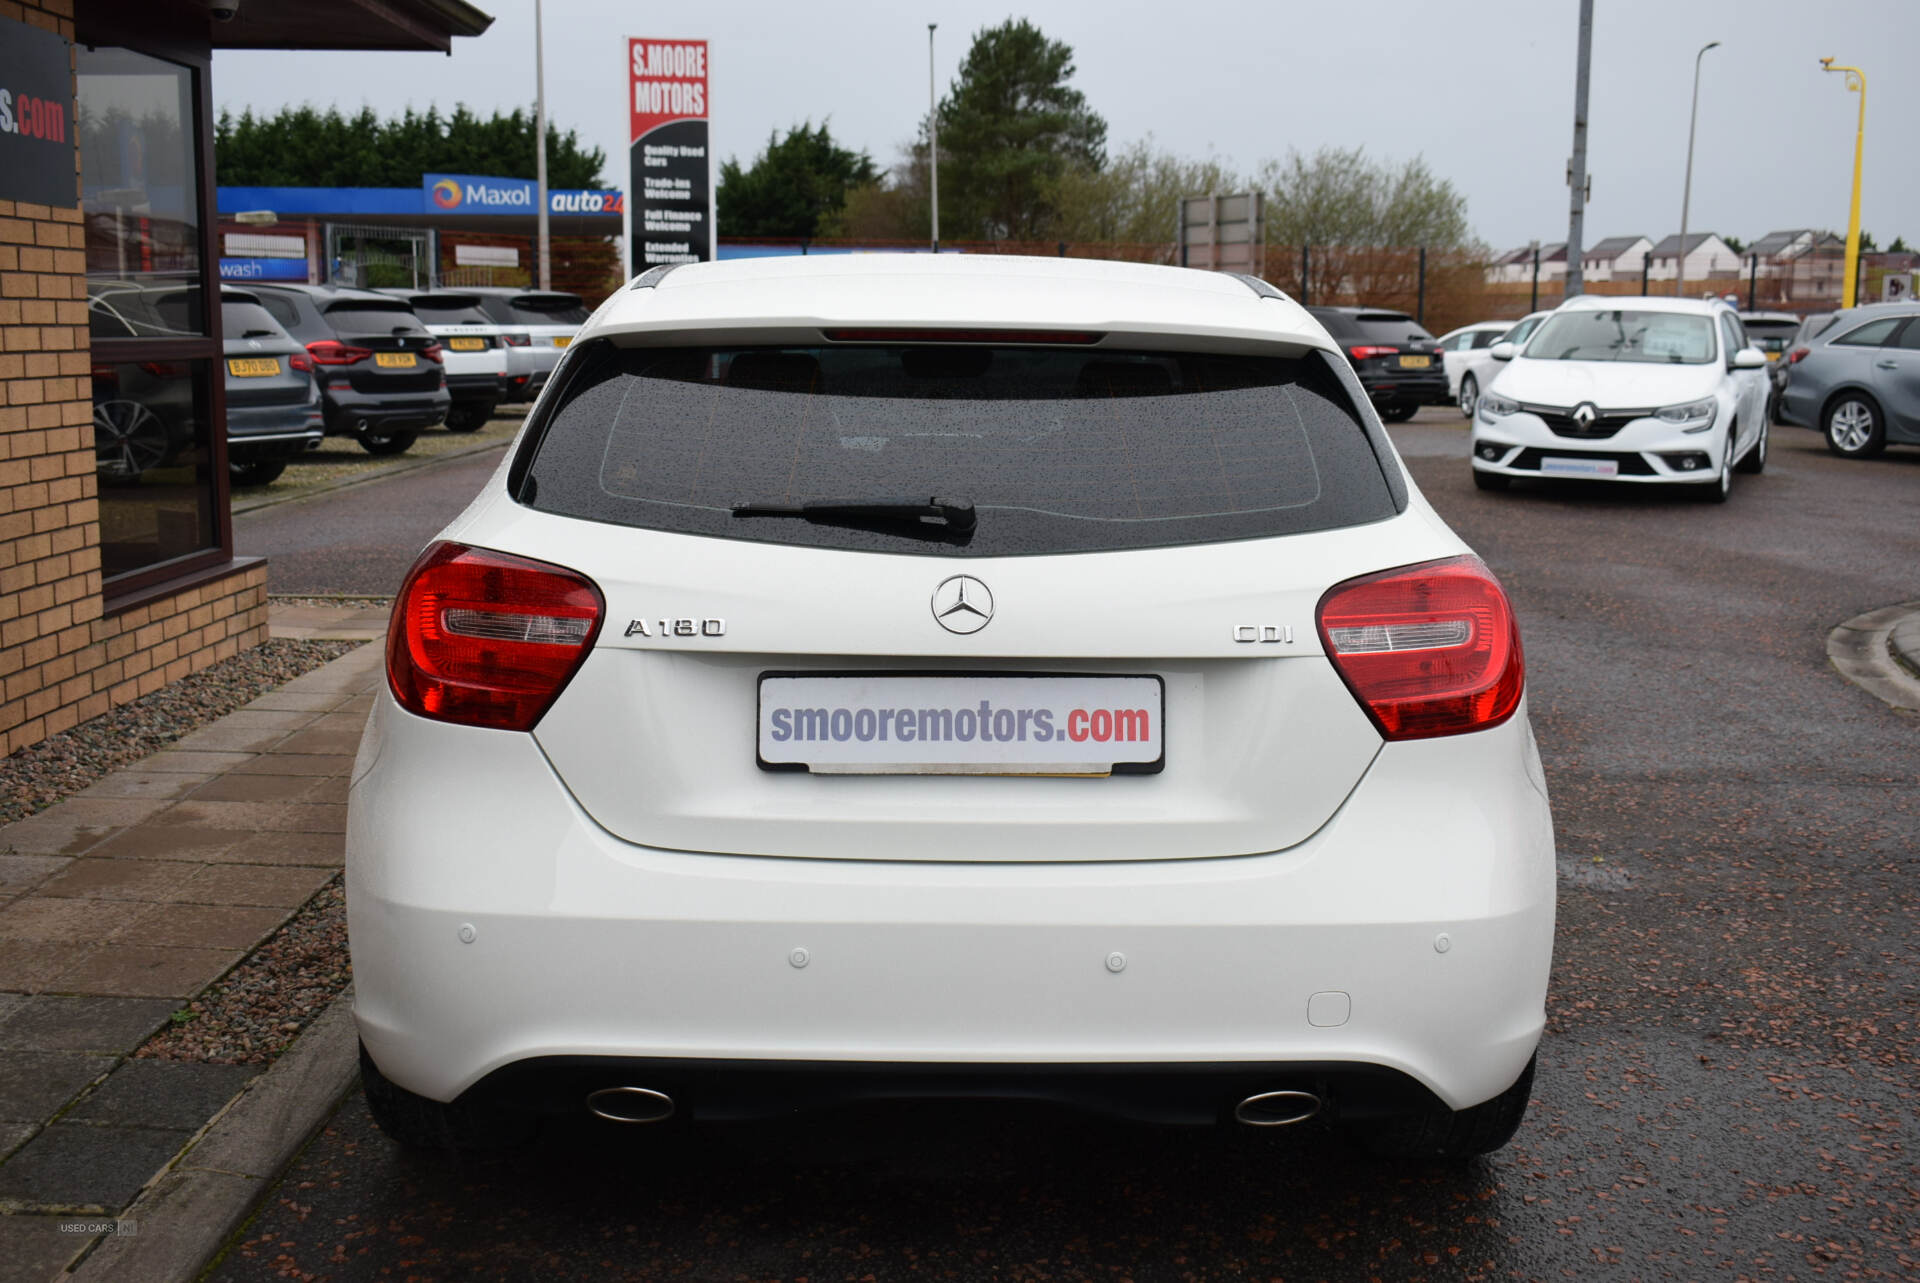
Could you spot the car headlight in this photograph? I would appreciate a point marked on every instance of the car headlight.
(1493, 407)
(1694, 416)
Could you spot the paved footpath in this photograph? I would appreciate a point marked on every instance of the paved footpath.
(122, 903)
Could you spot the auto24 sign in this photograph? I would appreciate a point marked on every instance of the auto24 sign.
(668, 152)
(36, 116)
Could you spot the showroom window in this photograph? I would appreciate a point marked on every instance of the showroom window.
(144, 196)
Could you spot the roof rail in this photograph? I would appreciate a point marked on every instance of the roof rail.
(1258, 286)
(652, 276)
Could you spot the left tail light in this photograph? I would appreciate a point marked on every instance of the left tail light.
(1428, 650)
(1361, 352)
(483, 638)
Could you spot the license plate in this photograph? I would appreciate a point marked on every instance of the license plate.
(252, 367)
(394, 360)
(563, 340)
(889, 724)
(1580, 467)
(1415, 362)
(1773, 356)
(466, 345)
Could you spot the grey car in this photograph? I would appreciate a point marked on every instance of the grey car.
(1858, 381)
(273, 402)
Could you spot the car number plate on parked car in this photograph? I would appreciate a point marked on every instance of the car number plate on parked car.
(1415, 362)
(1580, 467)
(951, 724)
(252, 367)
(562, 340)
(394, 360)
(467, 345)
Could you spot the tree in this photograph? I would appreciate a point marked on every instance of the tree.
(793, 185)
(1899, 246)
(1134, 198)
(304, 147)
(1735, 244)
(1866, 242)
(1009, 129)
(1343, 197)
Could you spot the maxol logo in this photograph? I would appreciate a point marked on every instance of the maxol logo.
(446, 194)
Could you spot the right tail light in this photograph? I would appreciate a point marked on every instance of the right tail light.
(484, 638)
(334, 352)
(1431, 649)
(1797, 355)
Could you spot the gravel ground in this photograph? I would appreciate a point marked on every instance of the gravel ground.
(59, 766)
(250, 1017)
(341, 459)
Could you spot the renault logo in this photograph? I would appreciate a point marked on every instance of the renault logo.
(1584, 414)
(962, 604)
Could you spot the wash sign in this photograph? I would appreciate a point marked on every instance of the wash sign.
(478, 194)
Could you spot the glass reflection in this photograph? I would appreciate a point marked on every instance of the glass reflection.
(149, 434)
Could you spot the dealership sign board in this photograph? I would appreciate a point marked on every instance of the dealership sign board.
(668, 153)
(479, 194)
(36, 116)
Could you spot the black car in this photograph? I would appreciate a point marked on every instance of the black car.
(380, 370)
(1393, 355)
(273, 402)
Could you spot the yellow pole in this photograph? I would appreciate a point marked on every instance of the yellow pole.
(1857, 82)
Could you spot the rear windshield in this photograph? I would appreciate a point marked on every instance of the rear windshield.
(1390, 327)
(243, 320)
(462, 311)
(1058, 450)
(366, 317)
(538, 309)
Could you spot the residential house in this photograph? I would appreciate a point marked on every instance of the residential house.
(1615, 258)
(1706, 254)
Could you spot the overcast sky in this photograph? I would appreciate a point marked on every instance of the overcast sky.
(1483, 89)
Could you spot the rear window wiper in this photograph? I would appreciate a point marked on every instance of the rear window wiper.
(934, 518)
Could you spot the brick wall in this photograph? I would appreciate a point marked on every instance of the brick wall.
(61, 659)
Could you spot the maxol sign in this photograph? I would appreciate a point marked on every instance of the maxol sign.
(478, 194)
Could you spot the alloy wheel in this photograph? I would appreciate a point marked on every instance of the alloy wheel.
(1850, 426)
(128, 439)
(1469, 395)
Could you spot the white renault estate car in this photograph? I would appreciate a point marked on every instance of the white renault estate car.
(1646, 390)
(895, 676)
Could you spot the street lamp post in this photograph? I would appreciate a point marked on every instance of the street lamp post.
(933, 138)
(1686, 194)
(545, 263)
(1857, 82)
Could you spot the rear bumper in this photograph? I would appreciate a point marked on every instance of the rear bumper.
(346, 410)
(470, 388)
(1425, 389)
(500, 926)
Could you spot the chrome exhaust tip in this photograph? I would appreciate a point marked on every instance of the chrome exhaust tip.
(630, 1105)
(1277, 1108)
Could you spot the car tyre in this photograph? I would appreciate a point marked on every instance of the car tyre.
(468, 418)
(415, 1122)
(254, 472)
(1717, 490)
(1491, 480)
(1755, 461)
(1469, 395)
(1397, 413)
(1854, 426)
(1450, 1135)
(378, 441)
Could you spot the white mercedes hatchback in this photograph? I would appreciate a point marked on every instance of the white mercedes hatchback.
(1655, 391)
(890, 676)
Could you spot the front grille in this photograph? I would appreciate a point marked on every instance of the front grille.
(1560, 421)
(1631, 464)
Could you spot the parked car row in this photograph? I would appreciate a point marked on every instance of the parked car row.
(302, 362)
